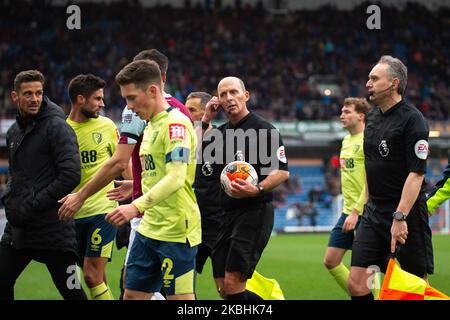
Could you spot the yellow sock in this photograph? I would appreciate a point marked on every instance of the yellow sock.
(110, 293)
(101, 292)
(376, 285)
(340, 274)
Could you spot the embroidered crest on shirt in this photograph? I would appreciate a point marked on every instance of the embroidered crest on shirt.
(97, 136)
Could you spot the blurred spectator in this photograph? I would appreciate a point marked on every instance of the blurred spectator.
(308, 210)
(315, 194)
(279, 196)
(228, 40)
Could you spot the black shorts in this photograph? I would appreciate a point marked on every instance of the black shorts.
(372, 244)
(242, 239)
(202, 255)
(212, 219)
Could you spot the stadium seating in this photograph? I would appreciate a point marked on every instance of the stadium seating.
(312, 176)
(277, 67)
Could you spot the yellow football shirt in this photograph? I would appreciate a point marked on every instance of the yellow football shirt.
(353, 173)
(97, 140)
(169, 136)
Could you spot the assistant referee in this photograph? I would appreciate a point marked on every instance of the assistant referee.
(395, 149)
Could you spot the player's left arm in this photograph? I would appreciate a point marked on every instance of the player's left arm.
(352, 219)
(177, 160)
(173, 180)
(416, 149)
(169, 184)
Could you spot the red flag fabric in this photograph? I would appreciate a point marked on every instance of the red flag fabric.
(401, 285)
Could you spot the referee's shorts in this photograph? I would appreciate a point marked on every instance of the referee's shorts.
(212, 218)
(242, 238)
(372, 244)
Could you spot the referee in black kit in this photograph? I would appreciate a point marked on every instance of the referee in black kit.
(248, 220)
(396, 149)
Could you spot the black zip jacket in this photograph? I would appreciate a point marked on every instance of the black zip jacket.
(44, 166)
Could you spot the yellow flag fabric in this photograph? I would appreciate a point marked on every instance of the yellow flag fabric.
(401, 285)
(268, 289)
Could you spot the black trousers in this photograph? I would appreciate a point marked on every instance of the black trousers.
(61, 266)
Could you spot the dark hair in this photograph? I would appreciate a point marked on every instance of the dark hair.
(85, 85)
(155, 55)
(140, 72)
(28, 76)
(204, 97)
(361, 105)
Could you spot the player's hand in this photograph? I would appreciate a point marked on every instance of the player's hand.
(71, 204)
(212, 108)
(399, 232)
(122, 214)
(350, 222)
(122, 192)
(240, 188)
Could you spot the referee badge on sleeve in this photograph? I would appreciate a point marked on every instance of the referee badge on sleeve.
(281, 155)
(421, 149)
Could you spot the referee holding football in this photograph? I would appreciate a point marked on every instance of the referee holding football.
(249, 215)
(395, 149)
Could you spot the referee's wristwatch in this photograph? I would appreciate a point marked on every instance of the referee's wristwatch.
(399, 216)
(261, 189)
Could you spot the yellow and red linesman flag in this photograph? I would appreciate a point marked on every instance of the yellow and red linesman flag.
(401, 285)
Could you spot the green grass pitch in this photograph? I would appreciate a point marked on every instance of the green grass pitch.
(294, 260)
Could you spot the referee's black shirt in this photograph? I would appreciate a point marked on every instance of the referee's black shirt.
(207, 178)
(251, 151)
(395, 144)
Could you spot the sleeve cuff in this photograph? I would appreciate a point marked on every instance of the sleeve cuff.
(139, 203)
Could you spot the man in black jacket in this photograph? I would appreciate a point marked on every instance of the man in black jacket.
(43, 167)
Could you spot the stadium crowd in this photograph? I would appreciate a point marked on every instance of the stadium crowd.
(276, 54)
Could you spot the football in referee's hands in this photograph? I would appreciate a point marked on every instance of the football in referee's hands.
(237, 170)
